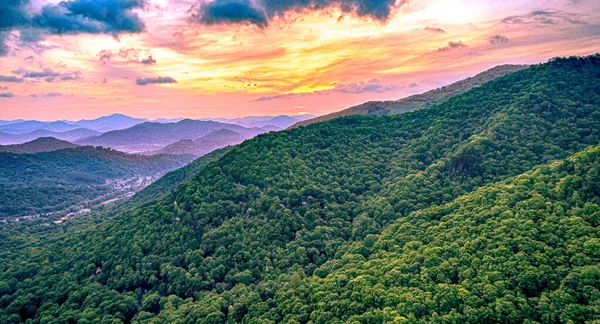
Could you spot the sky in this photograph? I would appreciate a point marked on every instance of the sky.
(77, 59)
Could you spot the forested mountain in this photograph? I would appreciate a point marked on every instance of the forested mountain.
(423, 100)
(42, 144)
(204, 144)
(69, 136)
(51, 181)
(171, 180)
(152, 136)
(362, 219)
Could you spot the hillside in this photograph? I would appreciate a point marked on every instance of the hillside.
(52, 181)
(204, 144)
(42, 144)
(424, 100)
(170, 181)
(281, 228)
(69, 136)
(153, 136)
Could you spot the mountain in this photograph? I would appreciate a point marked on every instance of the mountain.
(70, 136)
(109, 123)
(204, 144)
(419, 101)
(22, 127)
(478, 259)
(437, 215)
(8, 122)
(271, 128)
(152, 136)
(59, 126)
(42, 144)
(170, 181)
(52, 181)
(282, 121)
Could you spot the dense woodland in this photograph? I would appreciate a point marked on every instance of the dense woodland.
(477, 210)
(50, 181)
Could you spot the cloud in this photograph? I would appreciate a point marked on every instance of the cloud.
(371, 86)
(12, 79)
(543, 17)
(498, 39)
(47, 74)
(156, 80)
(148, 61)
(261, 12)
(434, 29)
(127, 55)
(91, 16)
(413, 85)
(47, 95)
(112, 17)
(452, 46)
(6, 95)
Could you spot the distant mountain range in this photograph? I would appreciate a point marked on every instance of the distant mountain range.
(427, 99)
(20, 131)
(151, 136)
(270, 122)
(70, 136)
(204, 144)
(42, 144)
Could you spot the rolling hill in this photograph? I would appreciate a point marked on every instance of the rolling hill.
(52, 181)
(424, 100)
(153, 136)
(442, 214)
(204, 144)
(42, 144)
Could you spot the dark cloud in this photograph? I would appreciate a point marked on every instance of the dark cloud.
(498, 39)
(156, 80)
(231, 11)
(47, 74)
(91, 16)
(12, 79)
(148, 61)
(434, 29)
(451, 46)
(68, 17)
(13, 13)
(261, 12)
(6, 95)
(544, 17)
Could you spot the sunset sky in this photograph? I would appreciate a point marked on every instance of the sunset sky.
(229, 58)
